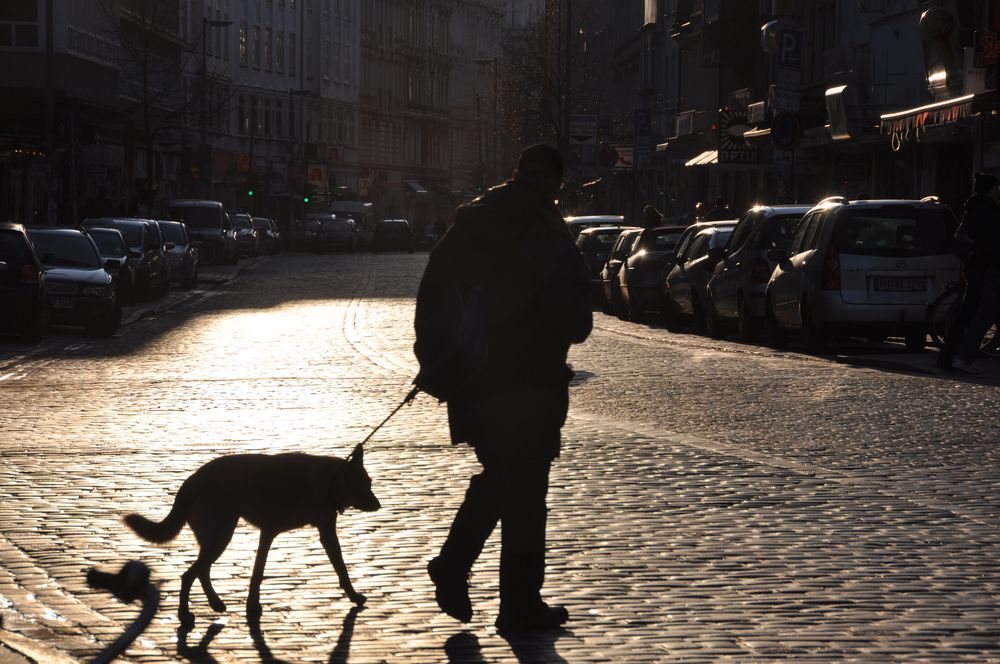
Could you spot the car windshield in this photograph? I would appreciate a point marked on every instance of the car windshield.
(661, 241)
(311, 225)
(12, 247)
(901, 231)
(173, 233)
(261, 224)
(193, 215)
(242, 221)
(131, 231)
(602, 241)
(108, 242)
(65, 250)
(777, 231)
(336, 225)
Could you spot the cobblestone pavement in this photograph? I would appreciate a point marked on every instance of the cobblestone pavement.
(714, 500)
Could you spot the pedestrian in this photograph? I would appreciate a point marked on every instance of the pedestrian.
(513, 244)
(651, 217)
(980, 305)
(720, 211)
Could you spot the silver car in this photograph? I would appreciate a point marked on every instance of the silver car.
(862, 268)
(686, 287)
(736, 290)
(577, 224)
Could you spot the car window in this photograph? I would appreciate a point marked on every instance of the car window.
(684, 244)
(173, 233)
(798, 241)
(13, 248)
(776, 232)
(664, 240)
(108, 242)
(242, 221)
(699, 247)
(193, 215)
(132, 233)
(261, 224)
(619, 248)
(898, 231)
(743, 230)
(66, 250)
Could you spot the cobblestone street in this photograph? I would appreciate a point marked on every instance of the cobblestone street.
(714, 500)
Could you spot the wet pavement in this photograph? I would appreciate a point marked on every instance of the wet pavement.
(714, 500)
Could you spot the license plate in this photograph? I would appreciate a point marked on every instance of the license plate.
(900, 284)
(62, 303)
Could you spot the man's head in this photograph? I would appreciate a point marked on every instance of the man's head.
(540, 167)
(987, 185)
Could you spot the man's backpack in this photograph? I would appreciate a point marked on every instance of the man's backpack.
(451, 323)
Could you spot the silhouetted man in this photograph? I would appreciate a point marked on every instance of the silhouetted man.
(651, 217)
(513, 243)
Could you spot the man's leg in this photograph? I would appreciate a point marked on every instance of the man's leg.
(983, 316)
(523, 514)
(955, 334)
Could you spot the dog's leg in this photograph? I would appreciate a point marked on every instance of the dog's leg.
(214, 535)
(253, 597)
(328, 536)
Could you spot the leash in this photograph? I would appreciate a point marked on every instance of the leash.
(406, 400)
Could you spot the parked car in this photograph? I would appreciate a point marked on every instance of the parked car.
(24, 307)
(862, 268)
(577, 224)
(649, 261)
(111, 244)
(247, 239)
(736, 290)
(328, 232)
(145, 248)
(267, 235)
(595, 244)
(181, 253)
(610, 286)
(210, 227)
(686, 287)
(81, 291)
(393, 235)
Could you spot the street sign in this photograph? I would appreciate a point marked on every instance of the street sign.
(582, 129)
(316, 176)
(626, 157)
(790, 48)
(733, 148)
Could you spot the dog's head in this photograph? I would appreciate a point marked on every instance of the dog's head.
(354, 487)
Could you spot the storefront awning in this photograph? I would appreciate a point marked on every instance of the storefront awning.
(417, 188)
(948, 110)
(703, 159)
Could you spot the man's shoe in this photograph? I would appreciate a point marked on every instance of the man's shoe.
(451, 590)
(968, 367)
(539, 617)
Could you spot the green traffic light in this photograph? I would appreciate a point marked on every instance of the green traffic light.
(250, 193)
(305, 199)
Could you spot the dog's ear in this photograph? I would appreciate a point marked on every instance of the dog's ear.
(358, 455)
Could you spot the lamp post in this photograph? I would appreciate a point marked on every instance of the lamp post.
(206, 23)
(496, 115)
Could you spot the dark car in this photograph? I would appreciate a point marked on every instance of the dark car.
(610, 286)
(685, 290)
(649, 261)
(267, 235)
(81, 291)
(209, 227)
(394, 235)
(247, 239)
(595, 244)
(111, 244)
(145, 248)
(23, 293)
(324, 231)
(181, 253)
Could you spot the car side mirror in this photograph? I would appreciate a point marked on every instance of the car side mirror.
(112, 264)
(3, 266)
(777, 255)
(169, 245)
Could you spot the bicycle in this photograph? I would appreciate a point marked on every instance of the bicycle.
(942, 311)
(129, 584)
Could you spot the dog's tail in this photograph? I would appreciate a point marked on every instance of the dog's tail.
(165, 530)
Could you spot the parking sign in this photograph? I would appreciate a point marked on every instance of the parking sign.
(790, 48)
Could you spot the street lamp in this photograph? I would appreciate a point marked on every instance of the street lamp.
(206, 23)
(496, 124)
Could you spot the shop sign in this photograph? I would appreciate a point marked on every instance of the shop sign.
(987, 48)
(733, 148)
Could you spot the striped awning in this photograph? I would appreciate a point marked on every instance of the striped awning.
(948, 110)
(705, 158)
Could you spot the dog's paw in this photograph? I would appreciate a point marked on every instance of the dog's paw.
(357, 598)
(254, 611)
(186, 618)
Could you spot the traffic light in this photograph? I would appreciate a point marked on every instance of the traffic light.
(250, 193)
(305, 199)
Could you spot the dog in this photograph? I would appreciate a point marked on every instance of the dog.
(276, 493)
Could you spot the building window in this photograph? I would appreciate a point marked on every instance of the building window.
(279, 119)
(267, 117)
(309, 59)
(19, 23)
(267, 48)
(279, 51)
(241, 115)
(291, 54)
(255, 45)
(243, 43)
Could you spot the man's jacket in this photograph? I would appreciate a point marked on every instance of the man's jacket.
(982, 224)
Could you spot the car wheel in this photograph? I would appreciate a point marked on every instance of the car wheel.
(698, 313)
(775, 334)
(745, 325)
(813, 335)
(109, 324)
(713, 326)
(916, 339)
(606, 307)
(35, 330)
